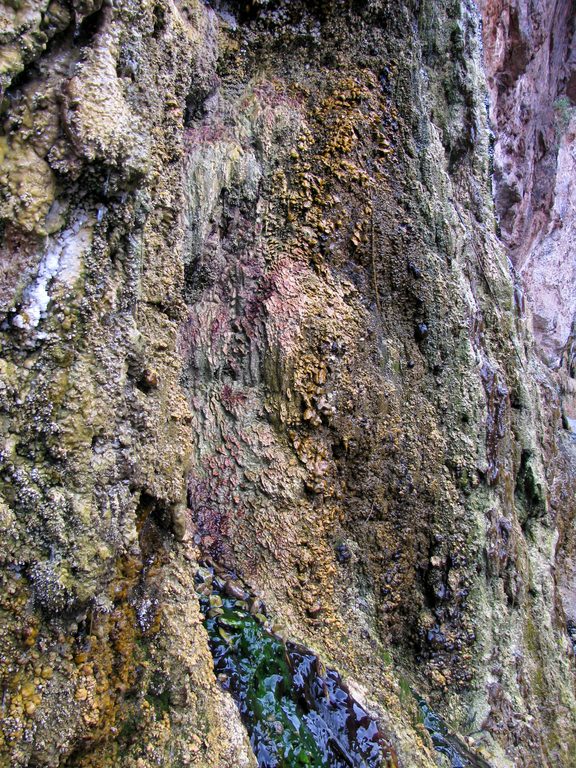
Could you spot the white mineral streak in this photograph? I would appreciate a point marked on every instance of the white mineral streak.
(61, 265)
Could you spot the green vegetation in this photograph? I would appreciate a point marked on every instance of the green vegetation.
(296, 713)
(563, 111)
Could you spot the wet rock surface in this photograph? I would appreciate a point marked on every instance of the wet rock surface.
(254, 308)
(451, 747)
(296, 712)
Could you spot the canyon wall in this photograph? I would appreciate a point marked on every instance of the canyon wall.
(530, 60)
(256, 310)
(531, 67)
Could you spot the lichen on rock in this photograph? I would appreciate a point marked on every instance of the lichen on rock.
(255, 308)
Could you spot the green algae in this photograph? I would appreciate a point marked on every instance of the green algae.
(297, 713)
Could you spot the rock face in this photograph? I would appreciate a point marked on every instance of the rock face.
(255, 309)
(531, 66)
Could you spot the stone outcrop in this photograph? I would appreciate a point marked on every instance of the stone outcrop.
(531, 67)
(255, 309)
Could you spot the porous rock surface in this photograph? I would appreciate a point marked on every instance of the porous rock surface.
(255, 309)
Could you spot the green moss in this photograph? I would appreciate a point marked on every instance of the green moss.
(387, 657)
(531, 636)
(296, 713)
(160, 702)
(563, 111)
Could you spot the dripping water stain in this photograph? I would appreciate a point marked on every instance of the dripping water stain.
(297, 712)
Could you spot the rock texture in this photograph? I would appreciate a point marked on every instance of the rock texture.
(255, 309)
(531, 65)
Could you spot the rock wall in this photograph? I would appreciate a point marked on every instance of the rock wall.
(531, 66)
(255, 309)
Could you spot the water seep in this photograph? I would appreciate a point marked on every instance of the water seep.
(447, 743)
(296, 712)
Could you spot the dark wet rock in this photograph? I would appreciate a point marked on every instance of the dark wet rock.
(455, 751)
(421, 331)
(235, 590)
(343, 554)
(414, 271)
(296, 711)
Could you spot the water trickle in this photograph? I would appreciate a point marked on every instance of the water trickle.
(438, 731)
(571, 628)
(296, 713)
(447, 743)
